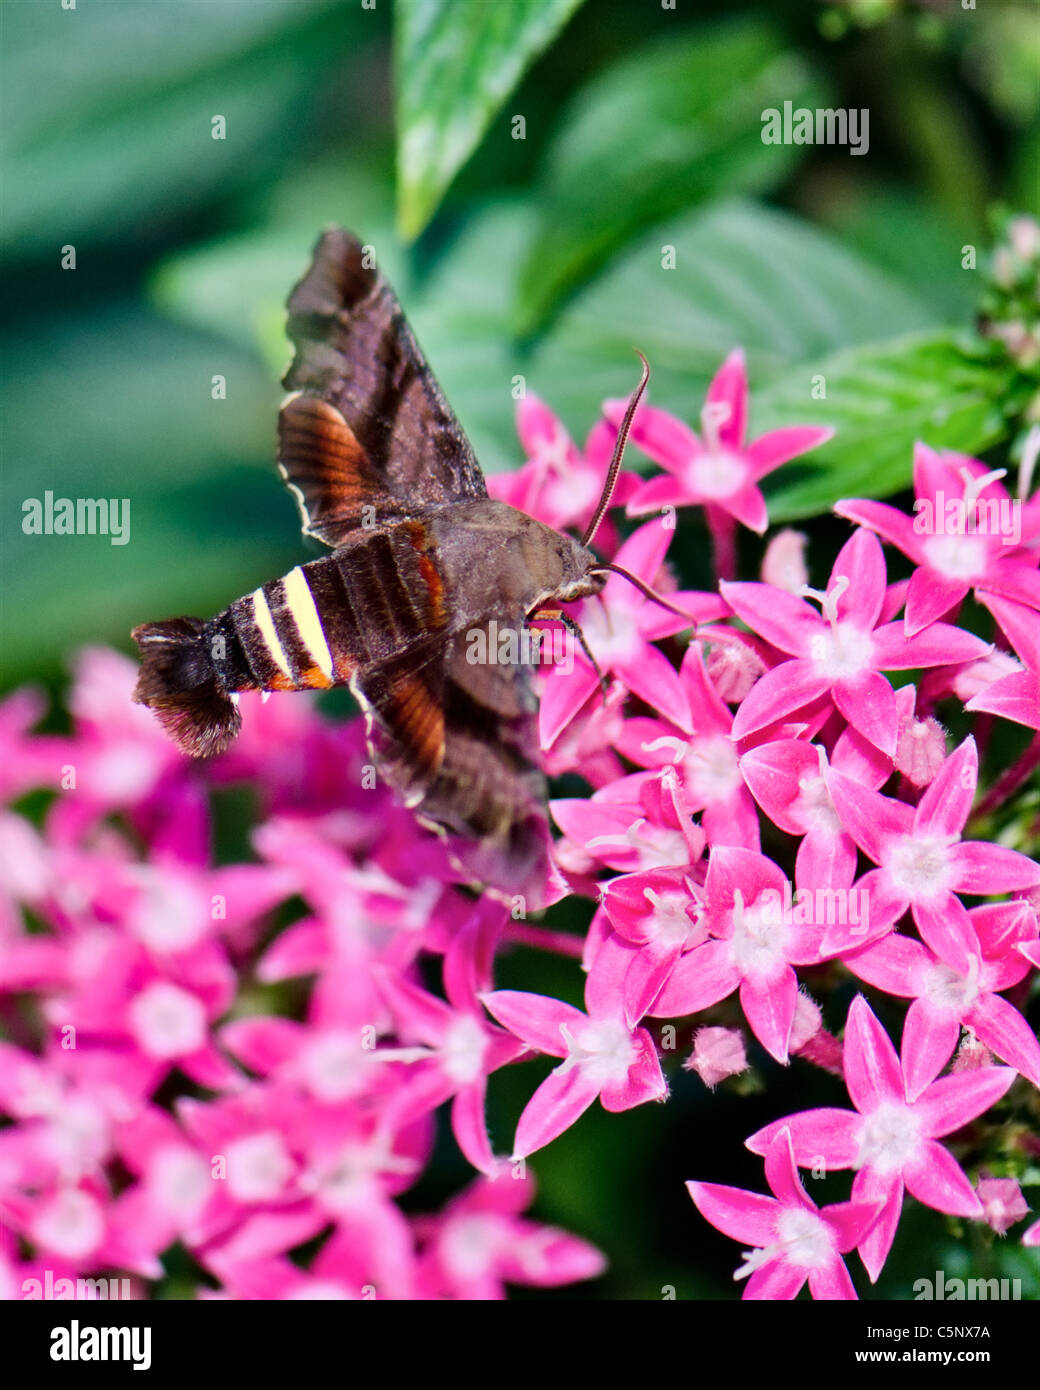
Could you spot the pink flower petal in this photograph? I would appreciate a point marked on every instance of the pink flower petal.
(535, 1018)
(770, 450)
(868, 702)
(937, 1179)
(562, 1098)
(1002, 1028)
(746, 1216)
(929, 1038)
(873, 1075)
(954, 1101)
(862, 563)
(782, 619)
(930, 596)
(729, 388)
(886, 1188)
(769, 1009)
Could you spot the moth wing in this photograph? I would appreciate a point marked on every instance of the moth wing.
(368, 424)
(489, 789)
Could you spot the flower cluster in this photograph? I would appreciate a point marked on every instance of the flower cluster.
(245, 1059)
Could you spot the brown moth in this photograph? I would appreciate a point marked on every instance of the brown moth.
(421, 558)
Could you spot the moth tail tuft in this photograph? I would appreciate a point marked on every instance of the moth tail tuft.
(180, 685)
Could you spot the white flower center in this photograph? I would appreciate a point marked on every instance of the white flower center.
(759, 937)
(670, 922)
(71, 1224)
(464, 1048)
(949, 991)
(815, 806)
(333, 1066)
(956, 556)
(602, 1047)
(806, 1239)
(919, 865)
(167, 1021)
(471, 1243)
(711, 769)
(842, 650)
(717, 473)
(258, 1167)
(608, 641)
(889, 1139)
(170, 915)
(180, 1179)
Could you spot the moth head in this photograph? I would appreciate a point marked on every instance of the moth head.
(582, 574)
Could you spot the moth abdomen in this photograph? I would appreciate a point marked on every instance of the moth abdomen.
(180, 683)
(276, 635)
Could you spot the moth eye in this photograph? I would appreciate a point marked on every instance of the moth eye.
(581, 588)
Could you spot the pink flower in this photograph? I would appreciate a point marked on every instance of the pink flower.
(752, 949)
(603, 1056)
(560, 485)
(619, 625)
(1003, 1205)
(640, 822)
(480, 1243)
(962, 536)
(703, 753)
(950, 993)
(792, 1239)
(842, 654)
(892, 1140)
(922, 860)
(658, 917)
(788, 778)
(457, 1049)
(717, 468)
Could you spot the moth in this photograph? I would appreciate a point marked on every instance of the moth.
(420, 559)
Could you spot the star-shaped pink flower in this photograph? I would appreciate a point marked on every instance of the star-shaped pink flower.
(843, 652)
(716, 468)
(922, 860)
(602, 1055)
(890, 1140)
(953, 553)
(791, 1238)
(949, 994)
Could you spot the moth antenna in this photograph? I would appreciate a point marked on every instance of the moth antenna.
(619, 454)
(644, 589)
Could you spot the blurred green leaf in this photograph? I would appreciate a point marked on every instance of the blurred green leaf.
(454, 65)
(458, 309)
(108, 108)
(678, 123)
(118, 405)
(880, 398)
(908, 235)
(744, 276)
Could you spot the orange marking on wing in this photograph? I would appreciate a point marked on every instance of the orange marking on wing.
(417, 721)
(430, 574)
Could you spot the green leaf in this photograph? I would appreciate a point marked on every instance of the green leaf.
(678, 123)
(744, 276)
(110, 106)
(118, 405)
(455, 64)
(880, 398)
